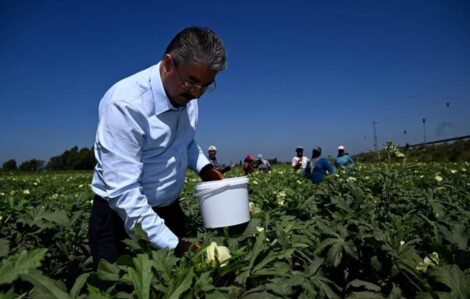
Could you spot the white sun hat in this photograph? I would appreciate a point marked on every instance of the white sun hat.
(212, 148)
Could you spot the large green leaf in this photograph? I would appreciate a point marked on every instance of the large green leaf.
(107, 271)
(203, 284)
(164, 262)
(357, 283)
(95, 293)
(4, 247)
(20, 263)
(78, 285)
(459, 236)
(454, 278)
(58, 217)
(183, 285)
(47, 284)
(364, 295)
(11, 295)
(342, 204)
(253, 255)
(141, 276)
(335, 253)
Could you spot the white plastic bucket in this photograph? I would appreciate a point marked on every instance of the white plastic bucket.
(223, 203)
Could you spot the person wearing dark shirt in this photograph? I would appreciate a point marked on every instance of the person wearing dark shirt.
(317, 167)
(248, 165)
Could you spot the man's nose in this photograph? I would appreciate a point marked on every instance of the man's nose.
(196, 93)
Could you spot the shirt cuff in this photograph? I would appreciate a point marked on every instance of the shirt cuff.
(166, 239)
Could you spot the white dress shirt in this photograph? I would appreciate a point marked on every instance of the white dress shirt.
(143, 147)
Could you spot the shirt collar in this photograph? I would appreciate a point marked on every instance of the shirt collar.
(162, 102)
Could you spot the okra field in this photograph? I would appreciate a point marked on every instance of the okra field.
(385, 230)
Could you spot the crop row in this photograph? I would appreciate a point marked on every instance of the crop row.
(383, 231)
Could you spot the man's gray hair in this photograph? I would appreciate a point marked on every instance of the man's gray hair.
(198, 45)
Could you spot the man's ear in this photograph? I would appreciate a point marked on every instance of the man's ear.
(167, 62)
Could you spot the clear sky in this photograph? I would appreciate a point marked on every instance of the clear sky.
(299, 72)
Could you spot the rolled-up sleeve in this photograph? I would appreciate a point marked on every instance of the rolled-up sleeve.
(120, 139)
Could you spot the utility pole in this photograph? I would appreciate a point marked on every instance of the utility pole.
(424, 130)
(375, 135)
(406, 138)
(444, 124)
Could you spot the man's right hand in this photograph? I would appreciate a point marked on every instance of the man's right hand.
(209, 173)
(185, 246)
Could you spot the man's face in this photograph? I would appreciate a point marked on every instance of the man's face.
(212, 154)
(300, 153)
(185, 82)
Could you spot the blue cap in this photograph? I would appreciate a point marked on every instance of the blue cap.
(316, 148)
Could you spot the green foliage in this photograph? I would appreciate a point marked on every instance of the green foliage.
(19, 264)
(390, 230)
(446, 152)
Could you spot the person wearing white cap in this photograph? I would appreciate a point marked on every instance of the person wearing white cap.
(212, 152)
(299, 161)
(263, 164)
(343, 160)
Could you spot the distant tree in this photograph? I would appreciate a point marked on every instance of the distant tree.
(86, 159)
(73, 159)
(9, 165)
(273, 161)
(32, 165)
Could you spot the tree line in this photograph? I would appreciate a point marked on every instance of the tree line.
(84, 159)
(72, 159)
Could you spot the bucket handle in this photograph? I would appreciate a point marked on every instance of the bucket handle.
(205, 192)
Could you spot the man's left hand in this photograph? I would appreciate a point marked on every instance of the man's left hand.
(209, 173)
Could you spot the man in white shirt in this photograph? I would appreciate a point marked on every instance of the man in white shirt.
(299, 161)
(145, 142)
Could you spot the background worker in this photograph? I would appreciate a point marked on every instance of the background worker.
(343, 160)
(248, 165)
(317, 167)
(299, 162)
(212, 155)
(263, 164)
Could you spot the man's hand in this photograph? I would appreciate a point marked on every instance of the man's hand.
(209, 173)
(297, 165)
(185, 246)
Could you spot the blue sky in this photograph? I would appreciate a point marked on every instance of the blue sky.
(299, 72)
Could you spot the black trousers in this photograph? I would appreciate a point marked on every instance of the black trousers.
(106, 229)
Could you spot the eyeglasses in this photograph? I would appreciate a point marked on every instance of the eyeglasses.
(201, 89)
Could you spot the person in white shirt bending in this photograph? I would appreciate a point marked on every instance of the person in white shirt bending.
(145, 142)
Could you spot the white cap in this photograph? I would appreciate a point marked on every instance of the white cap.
(341, 147)
(260, 156)
(212, 148)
